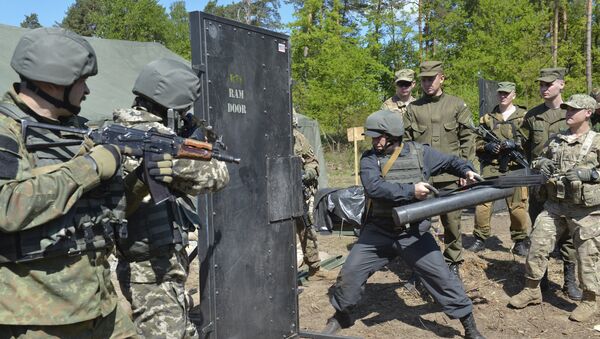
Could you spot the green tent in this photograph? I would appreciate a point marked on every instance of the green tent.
(119, 63)
(310, 128)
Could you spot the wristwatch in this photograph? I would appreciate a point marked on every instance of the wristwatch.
(595, 175)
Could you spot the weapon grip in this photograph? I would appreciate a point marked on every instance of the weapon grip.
(434, 190)
(158, 191)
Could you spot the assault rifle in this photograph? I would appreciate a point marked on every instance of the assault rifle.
(507, 151)
(136, 143)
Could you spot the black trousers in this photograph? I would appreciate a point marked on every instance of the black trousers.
(376, 247)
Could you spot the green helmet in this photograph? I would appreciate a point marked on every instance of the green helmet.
(54, 55)
(384, 121)
(168, 82)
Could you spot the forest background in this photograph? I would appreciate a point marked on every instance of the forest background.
(345, 52)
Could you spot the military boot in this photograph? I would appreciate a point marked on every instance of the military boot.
(478, 245)
(530, 295)
(570, 287)
(586, 308)
(544, 283)
(471, 331)
(317, 273)
(520, 248)
(337, 322)
(455, 269)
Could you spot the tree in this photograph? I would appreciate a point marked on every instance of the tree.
(31, 21)
(136, 20)
(179, 41)
(79, 15)
(261, 13)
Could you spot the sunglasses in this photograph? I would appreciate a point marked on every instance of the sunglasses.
(403, 83)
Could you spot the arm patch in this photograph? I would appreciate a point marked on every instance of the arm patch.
(9, 144)
(10, 165)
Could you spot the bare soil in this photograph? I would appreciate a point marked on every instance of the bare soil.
(387, 310)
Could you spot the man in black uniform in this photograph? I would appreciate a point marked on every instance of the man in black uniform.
(394, 173)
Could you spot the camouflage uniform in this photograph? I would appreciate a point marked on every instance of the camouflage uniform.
(154, 283)
(517, 204)
(58, 218)
(310, 169)
(576, 212)
(395, 105)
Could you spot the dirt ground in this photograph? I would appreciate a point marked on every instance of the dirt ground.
(387, 310)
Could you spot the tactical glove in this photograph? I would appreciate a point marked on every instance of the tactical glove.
(492, 148)
(160, 167)
(582, 174)
(193, 177)
(106, 158)
(546, 166)
(508, 145)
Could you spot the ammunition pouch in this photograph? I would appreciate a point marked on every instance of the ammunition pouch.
(575, 192)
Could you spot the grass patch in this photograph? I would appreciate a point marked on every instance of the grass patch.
(340, 163)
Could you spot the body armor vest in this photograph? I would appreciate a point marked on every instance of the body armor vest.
(88, 226)
(407, 169)
(153, 229)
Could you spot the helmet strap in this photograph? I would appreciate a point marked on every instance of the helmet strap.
(65, 103)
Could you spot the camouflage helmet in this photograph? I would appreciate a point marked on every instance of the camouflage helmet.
(168, 82)
(54, 55)
(384, 121)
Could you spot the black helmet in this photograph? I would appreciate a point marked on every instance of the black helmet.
(168, 82)
(384, 121)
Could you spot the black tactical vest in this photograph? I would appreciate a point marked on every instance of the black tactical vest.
(407, 169)
(88, 226)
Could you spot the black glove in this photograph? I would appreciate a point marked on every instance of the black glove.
(546, 166)
(492, 148)
(508, 145)
(582, 174)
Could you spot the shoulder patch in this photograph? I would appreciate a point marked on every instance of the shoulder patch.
(9, 144)
(10, 165)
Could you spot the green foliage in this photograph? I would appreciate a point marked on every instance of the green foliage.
(179, 41)
(336, 79)
(78, 17)
(31, 21)
(261, 13)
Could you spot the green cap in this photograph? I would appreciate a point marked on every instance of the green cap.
(506, 86)
(384, 121)
(579, 101)
(552, 74)
(54, 55)
(404, 75)
(168, 82)
(430, 68)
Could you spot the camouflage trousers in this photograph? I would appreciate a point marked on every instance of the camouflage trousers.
(156, 291)
(115, 325)
(308, 241)
(519, 218)
(583, 224)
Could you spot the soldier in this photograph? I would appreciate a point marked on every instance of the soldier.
(571, 161)
(441, 120)
(60, 204)
(595, 120)
(395, 173)
(405, 82)
(504, 121)
(539, 124)
(304, 226)
(153, 263)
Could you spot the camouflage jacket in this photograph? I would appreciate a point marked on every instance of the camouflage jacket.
(190, 177)
(310, 165)
(395, 105)
(48, 291)
(504, 130)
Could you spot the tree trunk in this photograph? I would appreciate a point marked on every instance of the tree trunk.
(420, 24)
(555, 35)
(588, 46)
